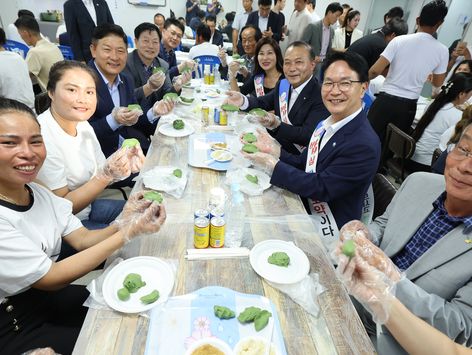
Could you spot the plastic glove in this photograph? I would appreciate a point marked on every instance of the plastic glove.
(368, 285)
(234, 98)
(136, 158)
(223, 57)
(116, 168)
(163, 107)
(40, 351)
(125, 116)
(234, 68)
(265, 143)
(156, 81)
(140, 216)
(186, 64)
(352, 228)
(181, 80)
(269, 121)
(262, 161)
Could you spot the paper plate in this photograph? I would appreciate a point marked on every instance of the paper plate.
(168, 130)
(221, 155)
(263, 178)
(156, 273)
(185, 103)
(298, 268)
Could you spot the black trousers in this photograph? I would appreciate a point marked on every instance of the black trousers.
(391, 109)
(39, 319)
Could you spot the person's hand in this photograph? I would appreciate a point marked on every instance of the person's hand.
(136, 158)
(140, 216)
(262, 161)
(244, 71)
(284, 29)
(234, 67)
(40, 351)
(266, 144)
(352, 228)
(269, 121)
(116, 168)
(368, 285)
(186, 64)
(125, 116)
(223, 56)
(163, 107)
(179, 81)
(318, 59)
(234, 98)
(267, 33)
(156, 81)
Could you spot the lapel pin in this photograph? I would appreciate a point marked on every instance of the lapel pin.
(334, 144)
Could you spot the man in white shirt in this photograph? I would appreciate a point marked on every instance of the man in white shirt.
(411, 59)
(239, 22)
(311, 9)
(43, 53)
(15, 82)
(299, 19)
(203, 45)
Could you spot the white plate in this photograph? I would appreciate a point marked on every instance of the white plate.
(221, 155)
(217, 343)
(168, 130)
(184, 102)
(242, 344)
(298, 268)
(156, 273)
(263, 178)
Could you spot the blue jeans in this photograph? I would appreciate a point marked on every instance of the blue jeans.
(103, 212)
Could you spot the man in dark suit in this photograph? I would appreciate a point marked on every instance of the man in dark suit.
(343, 155)
(267, 20)
(296, 100)
(113, 121)
(216, 36)
(150, 87)
(81, 17)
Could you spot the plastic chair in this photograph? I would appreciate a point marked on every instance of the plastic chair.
(130, 42)
(384, 191)
(66, 52)
(203, 60)
(41, 102)
(14, 46)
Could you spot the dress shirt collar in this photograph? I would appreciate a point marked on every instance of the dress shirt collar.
(439, 204)
(302, 86)
(332, 127)
(117, 81)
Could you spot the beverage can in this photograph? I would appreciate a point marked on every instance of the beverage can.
(202, 213)
(223, 118)
(201, 233)
(217, 212)
(216, 116)
(217, 232)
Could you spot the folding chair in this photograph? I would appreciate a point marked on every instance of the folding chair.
(203, 60)
(66, 52)
(14, 46)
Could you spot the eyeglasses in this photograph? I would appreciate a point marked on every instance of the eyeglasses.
(343, 85)
(459, 153)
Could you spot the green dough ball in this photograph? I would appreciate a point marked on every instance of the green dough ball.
(236, 56)
(279, 258)
(123, 294)
(261, 320)
(153, 196)
(229, 108)
(178, 124)
(186, 99)
(223, 312)
(349, 248)
(177, 173)
(258, 112)
(133, 282)
(249, 137)
(130, 143)
(252, 178)
(150, 298)
(249, 314)
(250, 148)
(186, 70)
(133, 107)
(171, 96)
(158, 70)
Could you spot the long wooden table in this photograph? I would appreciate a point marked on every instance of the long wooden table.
(277, 214)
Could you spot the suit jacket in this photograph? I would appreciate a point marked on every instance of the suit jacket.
(107, 137)
(80, 25)
(305, 114)
(217, 38)
(438, 285)
(313, 35)
(134, 68)
(345, 169)
(274, 22)
(340, 37)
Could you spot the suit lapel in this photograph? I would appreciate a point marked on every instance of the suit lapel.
(301, 101)
(85, 11)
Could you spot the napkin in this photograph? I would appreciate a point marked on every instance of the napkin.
(161, 178)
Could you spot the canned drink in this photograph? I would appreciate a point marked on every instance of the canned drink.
(217, 232)
(216, 116)
(202, 213)
(206, 115)
(217, 212)
(223, 118)
(201, 233)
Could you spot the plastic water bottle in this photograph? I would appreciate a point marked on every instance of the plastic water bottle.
(216, 71)
(235, 218)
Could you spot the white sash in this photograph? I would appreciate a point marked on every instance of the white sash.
(259, 85)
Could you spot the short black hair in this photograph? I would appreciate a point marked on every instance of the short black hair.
(204, 32)
(396, 11)
(395, 25)
(313, 2)
(27, 23)
(107, 29)
(25, 12)
(256, 28)
(159, 14)
(201, 14)
(146, 26)
(181, 19)
(264, 2)
(433, 13)
(10, 105)
(3, 37)
(230, 16)
(346, 6)
(173, 21)
(211, 18)
(334, 7)
(303, 44)
(355, 61)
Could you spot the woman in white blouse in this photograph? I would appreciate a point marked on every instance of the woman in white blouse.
(348, 33)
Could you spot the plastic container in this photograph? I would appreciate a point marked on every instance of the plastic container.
(235, 218)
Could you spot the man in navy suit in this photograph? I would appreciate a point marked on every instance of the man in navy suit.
(295, 99)
(81, 17)
(113, 121)
(267, 20)
(343, 155)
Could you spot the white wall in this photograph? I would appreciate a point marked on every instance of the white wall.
(363, 6)
(460, 12)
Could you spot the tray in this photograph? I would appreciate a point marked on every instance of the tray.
(199, 150)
